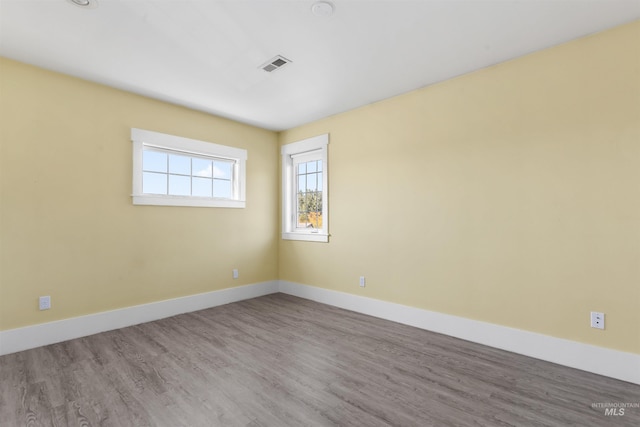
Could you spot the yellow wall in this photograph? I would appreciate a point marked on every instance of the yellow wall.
(68, 226)
(510, 195)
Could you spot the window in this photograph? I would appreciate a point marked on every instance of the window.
(304, 190)
(174, 171)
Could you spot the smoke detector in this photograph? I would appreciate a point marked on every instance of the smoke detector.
(275, 63)
(322, 9)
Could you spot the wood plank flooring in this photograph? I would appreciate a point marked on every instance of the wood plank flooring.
(283, 361)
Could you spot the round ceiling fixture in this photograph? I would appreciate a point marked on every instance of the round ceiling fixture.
(86, 4)
(323, 9)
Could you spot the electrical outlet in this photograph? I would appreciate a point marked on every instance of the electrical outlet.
(235, 273)
(44, 303)
(362, 282)
(597, 320)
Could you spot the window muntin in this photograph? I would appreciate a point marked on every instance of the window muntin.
(304, 189)
(176, 171)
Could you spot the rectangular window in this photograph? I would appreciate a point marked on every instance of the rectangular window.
(176, 171)
(304, 186)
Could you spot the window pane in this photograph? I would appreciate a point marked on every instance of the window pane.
(320, 181)
(302, 168)
(311, 166)
(202, 167)
(202, 187)
(315, 201)
(301, 203)
(179, 185)
(309, 209)
(302, 183)
(311, 182)
(179, 164)
(222, 169)
(154, 183)
(315, 208)
(317, 219)
(308, 202)
(154, 161)
(222, 188)
(319, 165)
(302, 214)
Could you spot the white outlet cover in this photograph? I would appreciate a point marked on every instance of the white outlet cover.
(597, 320)
(44, 303)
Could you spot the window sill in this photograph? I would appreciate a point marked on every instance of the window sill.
(187, 201)
(309, 237)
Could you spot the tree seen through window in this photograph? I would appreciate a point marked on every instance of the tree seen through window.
(309, 191)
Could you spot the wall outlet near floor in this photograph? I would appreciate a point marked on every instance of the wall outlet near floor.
(44, 303)
(362, 282)
(235, 273)
(597, 320)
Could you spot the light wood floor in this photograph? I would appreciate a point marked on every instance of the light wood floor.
(284, 361)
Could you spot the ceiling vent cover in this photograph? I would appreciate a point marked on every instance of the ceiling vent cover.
(275, 63)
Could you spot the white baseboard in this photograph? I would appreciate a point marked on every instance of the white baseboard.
(19, 339)
(599, 360)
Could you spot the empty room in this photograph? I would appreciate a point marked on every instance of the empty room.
(319, 213)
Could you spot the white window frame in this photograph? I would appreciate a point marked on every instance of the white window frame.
(180, 145)
(316, 147)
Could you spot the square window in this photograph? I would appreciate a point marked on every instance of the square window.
(154, 183)
(179, 164)
(202, 167)
(154, 161)
(202, 187)
(221, 188)
(222, 169)
(179, 185)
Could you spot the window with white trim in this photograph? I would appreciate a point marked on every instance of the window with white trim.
(304, 190)
(170, 170)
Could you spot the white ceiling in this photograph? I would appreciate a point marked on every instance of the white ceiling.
(205, 54)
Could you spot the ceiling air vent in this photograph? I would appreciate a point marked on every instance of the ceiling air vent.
(274, 64)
